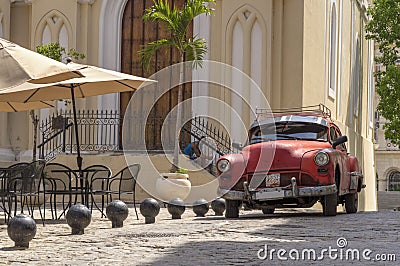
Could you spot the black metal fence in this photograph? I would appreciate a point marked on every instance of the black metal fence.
(100, 131)
(199, 127)
(217, 141)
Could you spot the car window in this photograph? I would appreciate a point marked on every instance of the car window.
(343, 145)
(332, 134)
(288, 130)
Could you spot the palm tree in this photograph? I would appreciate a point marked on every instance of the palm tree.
(176, 22)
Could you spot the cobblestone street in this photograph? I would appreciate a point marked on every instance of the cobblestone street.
(214, 240)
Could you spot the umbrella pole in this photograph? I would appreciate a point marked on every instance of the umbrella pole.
(79, 159)
(78, 150)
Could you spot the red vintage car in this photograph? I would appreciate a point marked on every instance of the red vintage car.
(293, 158)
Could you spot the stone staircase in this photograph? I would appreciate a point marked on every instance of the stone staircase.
(388, 200)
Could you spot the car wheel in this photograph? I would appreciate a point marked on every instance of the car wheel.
(232, 209)
(268, 210)
(329, 204)
(351, 202)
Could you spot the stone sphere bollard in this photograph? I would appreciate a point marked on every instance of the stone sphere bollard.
(218, 205)
(149, 208)
(78, 218)
(200, 207)
(21, 229)
(117, 212)
(176, 207)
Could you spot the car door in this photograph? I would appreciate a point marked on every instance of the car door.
(342, 160)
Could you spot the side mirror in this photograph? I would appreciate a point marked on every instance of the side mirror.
(338, 141)
(237, 146)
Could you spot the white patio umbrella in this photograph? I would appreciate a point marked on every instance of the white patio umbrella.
(96, 81)
(17, 107)
(18, 65)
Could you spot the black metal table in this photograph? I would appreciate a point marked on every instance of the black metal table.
(81, 186)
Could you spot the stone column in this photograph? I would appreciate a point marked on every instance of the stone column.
(6, 153)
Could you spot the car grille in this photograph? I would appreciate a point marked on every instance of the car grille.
(286, 177)
(305, 180)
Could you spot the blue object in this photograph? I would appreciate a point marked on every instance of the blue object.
(189, 151)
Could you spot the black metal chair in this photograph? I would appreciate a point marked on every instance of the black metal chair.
(124, 182)
(4, 195)
(7, 197)
(97, 180)
(64, 184)
(26, 183)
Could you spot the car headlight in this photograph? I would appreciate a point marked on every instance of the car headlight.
(223, 165)
(321, 158)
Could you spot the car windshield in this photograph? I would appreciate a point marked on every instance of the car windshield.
(288, 131)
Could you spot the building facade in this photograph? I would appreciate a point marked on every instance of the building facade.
(387, 154)
(387, 161)
(299, 52)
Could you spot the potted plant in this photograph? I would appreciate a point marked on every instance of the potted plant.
(173, 185)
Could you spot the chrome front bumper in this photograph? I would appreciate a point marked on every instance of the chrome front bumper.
(276, 193)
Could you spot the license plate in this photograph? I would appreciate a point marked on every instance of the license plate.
(273, 180)
(267, 195)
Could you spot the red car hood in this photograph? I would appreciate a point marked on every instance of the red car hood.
(279, 155)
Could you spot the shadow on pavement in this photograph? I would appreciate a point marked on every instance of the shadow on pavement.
(261, 216)
(229, 253)
(12, 248)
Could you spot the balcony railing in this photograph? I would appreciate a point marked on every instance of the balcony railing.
(100, 131)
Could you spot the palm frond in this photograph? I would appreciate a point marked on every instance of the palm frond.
(195, 50)
(177, 22)
(161, 12)
(151, 48)
(190, 10)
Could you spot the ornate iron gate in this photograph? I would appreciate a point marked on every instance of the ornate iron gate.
(98, 131)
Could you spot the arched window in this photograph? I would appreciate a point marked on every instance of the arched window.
(357, 77)
(256, 63)
(46, 36)
(247, 50)
(54, 27)
(237, 62)
(371, 83)
(394, 181)
(1, 25)
(333, 49)
(63, 37)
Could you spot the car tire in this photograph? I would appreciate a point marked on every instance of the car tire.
(329, 205)
(232, 209)
(268, 210)
(351, 202)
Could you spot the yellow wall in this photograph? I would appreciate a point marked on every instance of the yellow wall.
(292, 54)
(20, 30)
(5, 17)
(314, 59)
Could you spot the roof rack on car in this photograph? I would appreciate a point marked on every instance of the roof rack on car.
(311, 110)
